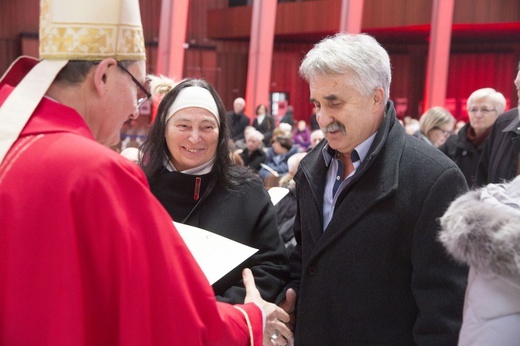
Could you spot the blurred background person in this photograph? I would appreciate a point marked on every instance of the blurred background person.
(302, 136)
(500, 157)
(264, 122)
(286, 128)
(288, 117)
(240, 143)
(313, 122)
(253, 155)
(286, 207)
(464, 148)
(316, 137)
(276, 159)
(237, 120)
(187, 163)
(435, 126)
(458, 125)
(482, 230)
(411, 125)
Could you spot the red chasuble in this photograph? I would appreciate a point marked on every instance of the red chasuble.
(89, 257)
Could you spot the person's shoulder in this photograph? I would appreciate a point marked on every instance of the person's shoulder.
(505, 118)
(471, 223)
(450, 144)
(84, 158)
(246, 180)
(424, 155)
(79, 148)
(111, 160)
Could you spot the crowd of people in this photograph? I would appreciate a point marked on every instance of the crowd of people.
(386, 234)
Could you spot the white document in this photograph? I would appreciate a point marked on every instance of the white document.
(273, 172)
(277, 193)
(215, 254)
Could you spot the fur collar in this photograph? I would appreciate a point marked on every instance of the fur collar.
(482, 229)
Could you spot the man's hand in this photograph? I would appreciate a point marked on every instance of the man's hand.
(275, 331)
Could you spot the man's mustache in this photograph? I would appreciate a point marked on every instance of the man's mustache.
(333, 127)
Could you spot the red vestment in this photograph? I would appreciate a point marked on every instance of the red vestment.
(87, 254)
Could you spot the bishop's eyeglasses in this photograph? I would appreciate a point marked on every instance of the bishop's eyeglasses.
(143, 94)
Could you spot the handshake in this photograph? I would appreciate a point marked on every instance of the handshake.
(279, 320)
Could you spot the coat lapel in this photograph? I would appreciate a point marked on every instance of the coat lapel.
(314, 171)
(375, 180)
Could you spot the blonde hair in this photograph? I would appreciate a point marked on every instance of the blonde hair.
(433, 118)
(160, 86)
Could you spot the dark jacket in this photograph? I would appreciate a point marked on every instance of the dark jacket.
(266, 127)
(499, 158)
(253, 159)
(237, 124)
(464, 153)
(288, 117)
(285, 214)
(245, 215)
(378, 275)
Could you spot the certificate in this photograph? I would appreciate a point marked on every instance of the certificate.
(277, 193)
(215, 254)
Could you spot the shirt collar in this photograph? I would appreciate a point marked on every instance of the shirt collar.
(362, 150)
(199, 170)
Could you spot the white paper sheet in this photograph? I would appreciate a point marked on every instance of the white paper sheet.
(216, 255)
(273, 172)
(277, 193)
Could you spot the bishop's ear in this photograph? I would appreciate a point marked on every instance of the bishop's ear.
(103, 71)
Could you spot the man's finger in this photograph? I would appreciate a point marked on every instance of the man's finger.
(290, 297)
(289, 302)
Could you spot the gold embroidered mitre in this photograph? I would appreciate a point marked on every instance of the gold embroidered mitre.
(91, 30)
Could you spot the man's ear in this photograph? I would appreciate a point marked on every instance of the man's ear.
(103, 71)
(378, 96)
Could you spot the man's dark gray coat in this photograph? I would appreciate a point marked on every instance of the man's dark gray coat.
(378, 275)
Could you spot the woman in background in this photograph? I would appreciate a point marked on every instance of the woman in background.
(435, 126)
(302, 136)
(264, 122)
(464, 148)
(253, 155)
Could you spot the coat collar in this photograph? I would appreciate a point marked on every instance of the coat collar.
(375, 180)
(514, 126)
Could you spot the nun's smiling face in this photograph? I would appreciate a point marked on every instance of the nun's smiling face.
(192, 137)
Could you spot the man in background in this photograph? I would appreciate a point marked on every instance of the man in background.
(237, 120)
